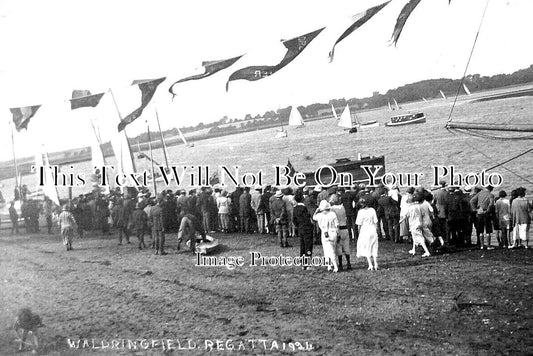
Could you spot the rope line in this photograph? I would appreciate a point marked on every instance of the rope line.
(468, 62)
(500, 164)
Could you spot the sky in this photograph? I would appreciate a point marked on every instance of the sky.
(51, 47)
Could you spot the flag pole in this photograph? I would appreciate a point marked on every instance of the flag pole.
(125, 134)
(17, 183)
(99, 140)
(151, 158)
(161, 135)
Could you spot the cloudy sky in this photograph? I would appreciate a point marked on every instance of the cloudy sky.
(51, 47)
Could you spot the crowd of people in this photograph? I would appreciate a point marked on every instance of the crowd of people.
(443, 218)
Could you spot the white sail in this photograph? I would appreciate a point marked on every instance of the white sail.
(466, 89)
(425, 100)
(396, 103)
(183, 138)
(121, 148)
(97, 155)
(334, 113)
(441, 93)
(48, 188)
(295, 119)
(390, 107)
(346, 118)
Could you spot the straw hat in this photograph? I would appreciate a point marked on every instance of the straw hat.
(324, 205)
(278, 194)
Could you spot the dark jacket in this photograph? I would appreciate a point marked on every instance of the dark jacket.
(389, 206)
(157, 218)
(139, 220)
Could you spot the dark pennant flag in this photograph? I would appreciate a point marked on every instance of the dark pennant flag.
(22, 116)
(294, 47)
(84, 99)
(211, 67)
(402, 19)
(148, 88)
(292, 171)
(358, 20)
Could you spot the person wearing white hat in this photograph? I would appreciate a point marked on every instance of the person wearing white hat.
(367, 242)
(329, 226)
(68, 225)
(343, 243)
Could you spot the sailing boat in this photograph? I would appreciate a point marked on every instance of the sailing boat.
(295, 119)
(334, 113)
(466, 89)
(48, 189)
(396, 103)
(442, 94)
(281, 133)
(368, 124)
(97, 155)
(346, 120)
(188, 145)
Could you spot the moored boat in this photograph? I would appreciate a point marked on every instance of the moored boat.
(281, 133)
(407, 119)
(352, 167)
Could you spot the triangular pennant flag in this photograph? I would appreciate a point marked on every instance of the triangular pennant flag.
(211, 67)
(402, 19)
(292, 171)
(358, 20)
(148, 88)
(84, 98)
(294, 47)
(22, 116)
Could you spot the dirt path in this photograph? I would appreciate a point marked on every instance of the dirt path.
(106, 292)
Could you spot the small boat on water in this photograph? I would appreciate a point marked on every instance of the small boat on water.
(205, 247)
(348, 166)
(346, 120)
(368, 124)
(407, 119)
(352, 125)
(281, 133)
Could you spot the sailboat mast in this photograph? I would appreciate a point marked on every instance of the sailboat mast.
(151, 158)
(125, 134)
(182, 137)
(165, 152)
(17, 183)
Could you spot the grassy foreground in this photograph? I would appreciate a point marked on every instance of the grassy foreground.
(107, 292)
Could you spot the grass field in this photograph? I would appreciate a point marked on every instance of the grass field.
(103, 291)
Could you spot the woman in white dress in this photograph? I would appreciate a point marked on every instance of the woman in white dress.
(367, 243)
(329, 227)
